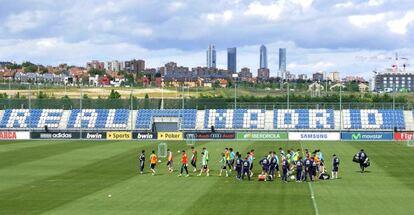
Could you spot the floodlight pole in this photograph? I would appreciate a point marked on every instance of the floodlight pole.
(340, 106)
(393, 106)
(162, 93)
(288, 95)
(81, 114)
(182, 93)
(235, 76)
(132, 108)
(30, 104)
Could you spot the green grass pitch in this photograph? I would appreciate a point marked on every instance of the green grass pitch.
(77, 177)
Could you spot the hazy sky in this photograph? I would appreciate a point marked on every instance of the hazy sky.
(318, 34)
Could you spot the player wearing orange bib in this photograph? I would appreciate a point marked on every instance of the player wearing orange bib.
(184, 164)
(153, 161)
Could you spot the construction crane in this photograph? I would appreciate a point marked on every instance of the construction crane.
(397, 61)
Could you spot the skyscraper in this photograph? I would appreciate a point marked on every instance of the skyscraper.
(232, 60)
(263, 57)
(211, 56)
(282, 63)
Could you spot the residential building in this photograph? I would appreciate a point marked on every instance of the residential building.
(302, 77)
(7, 74)
(363, 87)
(289, 76)
(150, 71)
(263, 57)
(211, 57)
(353, 79)
(134, 66)
(390, 81)
(170, 67)
(245, 74)
(223, 83)
(232, 60)
(317, 76)
(263, 74)
(95, 64)
(114, 65)
(334, 77)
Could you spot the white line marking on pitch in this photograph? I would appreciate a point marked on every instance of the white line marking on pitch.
(315, 206)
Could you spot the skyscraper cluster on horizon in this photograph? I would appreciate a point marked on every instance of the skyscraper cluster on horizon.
(263, 72)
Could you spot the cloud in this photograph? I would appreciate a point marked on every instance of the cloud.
(364, 21)
(26, 20)
(271, 11)
(317, 34)
(176, 6)
(276, 9)
(348, 4)
(399, 26)
(223, 17)
(375, 2)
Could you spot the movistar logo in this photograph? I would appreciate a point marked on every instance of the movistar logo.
(356, 136)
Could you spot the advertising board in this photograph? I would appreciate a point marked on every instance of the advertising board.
(262, 135)
(360, 136)
(314, 136)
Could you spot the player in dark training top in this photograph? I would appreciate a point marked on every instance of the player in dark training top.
(299, 169)
(194, 158)
(308, 169)
(265, 166)
(239, 165)
(142, 161)
(246, 167)
(335, 166)
(285, 169)
(273, 165)
(362, 156)
(314, 168)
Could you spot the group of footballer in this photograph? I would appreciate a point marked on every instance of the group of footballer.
(295, 165)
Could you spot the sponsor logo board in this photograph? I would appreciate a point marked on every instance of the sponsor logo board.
(170, 135)
(358, 136)
(262, 135)
(210, 135)
(314, 136)
(144, 136)
(94, 135)
(55, 135)
(118, 135)
(14, 135)
(404, 136)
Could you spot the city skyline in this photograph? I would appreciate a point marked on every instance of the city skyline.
(319, 35)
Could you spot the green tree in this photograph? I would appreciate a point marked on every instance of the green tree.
(31, 68)
(42, 95)
(216, 84)
(114, 95)
(146, 101)
(93, 72)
